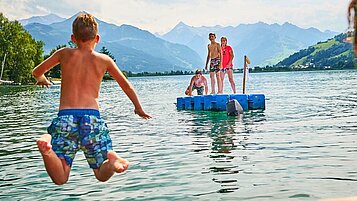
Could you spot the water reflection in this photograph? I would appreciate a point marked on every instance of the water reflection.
(228, 139)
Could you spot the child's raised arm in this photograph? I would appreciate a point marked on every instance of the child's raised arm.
(46, 65)
(127, 88)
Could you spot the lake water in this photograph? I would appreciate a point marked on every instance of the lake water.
(302, 147)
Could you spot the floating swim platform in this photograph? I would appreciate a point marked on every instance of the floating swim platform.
(217, 102)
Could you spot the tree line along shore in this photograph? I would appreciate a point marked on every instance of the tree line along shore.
(23, 53)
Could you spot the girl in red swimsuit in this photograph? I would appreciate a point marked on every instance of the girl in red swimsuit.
(227, 63)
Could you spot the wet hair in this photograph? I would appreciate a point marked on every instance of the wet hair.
(198, 71)
(85, 27)
(225, 38)
(212, 34)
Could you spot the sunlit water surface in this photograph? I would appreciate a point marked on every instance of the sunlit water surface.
(302, 147)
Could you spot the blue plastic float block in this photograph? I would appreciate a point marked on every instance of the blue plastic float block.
(242, 100)
(256, 101)
(180, 103)
(188, 103)
(198, 102)
(221, 102)
(209, 102)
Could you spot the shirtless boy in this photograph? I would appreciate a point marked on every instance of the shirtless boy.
(214, 56)
(78, 124)
(198, 82)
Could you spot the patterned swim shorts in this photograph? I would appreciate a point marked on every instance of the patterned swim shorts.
(214, 65)
(83, 129)
(199, 89)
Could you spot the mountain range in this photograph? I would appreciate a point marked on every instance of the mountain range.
(184, 47)
(47, 19)
(265, 44)
(135, 50)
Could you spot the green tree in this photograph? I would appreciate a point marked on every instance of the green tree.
(104, 50)
(72, 44)
(23, 52)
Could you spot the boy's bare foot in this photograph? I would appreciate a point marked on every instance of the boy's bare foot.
(213, 92)
(44, 144)
(119, 164)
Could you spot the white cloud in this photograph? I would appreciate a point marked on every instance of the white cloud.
(162, 15)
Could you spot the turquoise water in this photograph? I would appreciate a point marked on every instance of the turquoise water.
(302, 147)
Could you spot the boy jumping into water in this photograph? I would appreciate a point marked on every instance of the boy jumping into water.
(214, 56)
(78, 125)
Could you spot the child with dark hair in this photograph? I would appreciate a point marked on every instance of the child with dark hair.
(214, 57)
(198, 82)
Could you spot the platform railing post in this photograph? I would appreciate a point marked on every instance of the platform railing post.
(245, 67)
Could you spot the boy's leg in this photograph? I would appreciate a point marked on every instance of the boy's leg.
(211, 75)
(56, 168)
(231, 80)
(219, 82)
(114, 164)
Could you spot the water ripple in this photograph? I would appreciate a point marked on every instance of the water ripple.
(301, 147)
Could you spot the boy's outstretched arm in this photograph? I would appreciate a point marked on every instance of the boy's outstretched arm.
(190, 87)
(208, 57)
(127, 88)
(40, 70)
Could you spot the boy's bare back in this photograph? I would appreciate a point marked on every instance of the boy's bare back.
(82, 73)
(83, 69)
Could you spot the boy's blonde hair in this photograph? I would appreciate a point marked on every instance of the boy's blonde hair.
(85, 27)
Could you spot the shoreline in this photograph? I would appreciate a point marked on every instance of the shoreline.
(162, 74)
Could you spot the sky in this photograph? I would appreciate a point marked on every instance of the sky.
(160, 16)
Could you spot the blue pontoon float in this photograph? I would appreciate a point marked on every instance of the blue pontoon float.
(217, 102)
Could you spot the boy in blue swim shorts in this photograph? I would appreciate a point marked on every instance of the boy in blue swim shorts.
(78, 125)
(80, 129)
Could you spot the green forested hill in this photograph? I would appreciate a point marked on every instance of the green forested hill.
(331, 54)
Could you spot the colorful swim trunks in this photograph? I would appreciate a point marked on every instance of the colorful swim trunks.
(199, 89)
(214, 65)
(83, 129)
